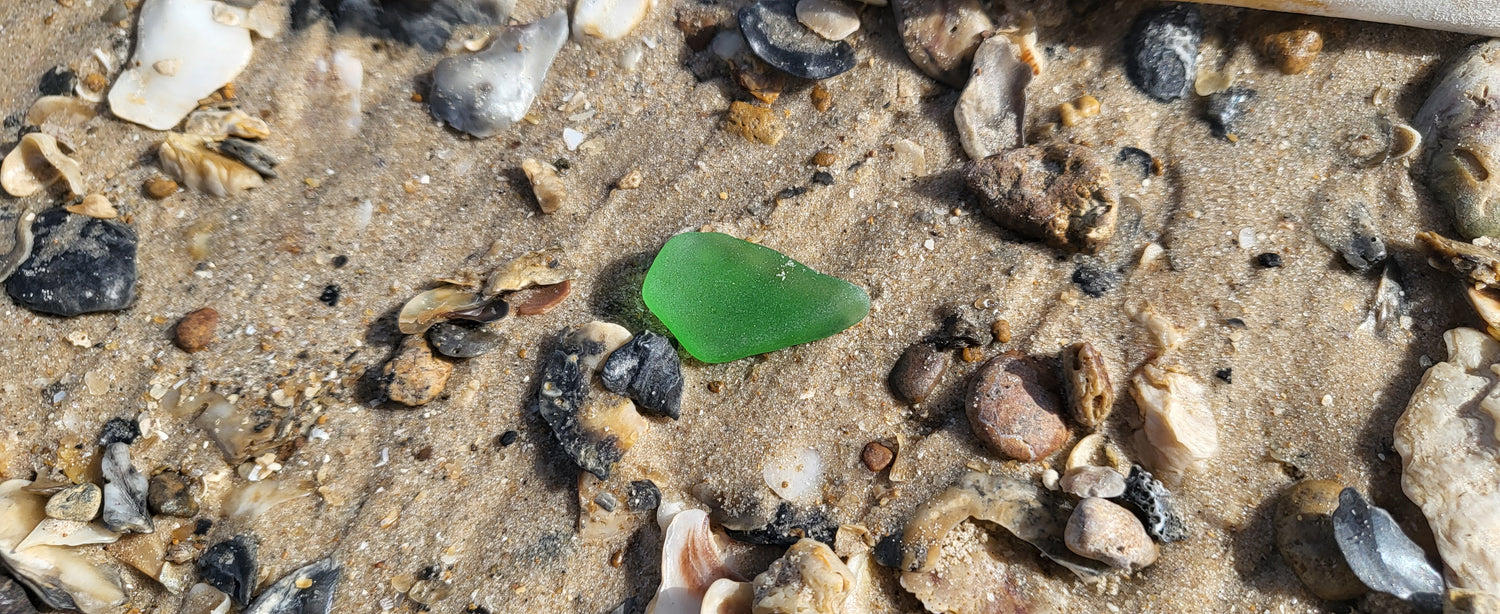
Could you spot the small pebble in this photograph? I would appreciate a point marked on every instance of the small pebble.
(824, 158)
(644, 495)
(1225, 375)
(1161, 51)
(1093, 280)
(1001, 330)
(755, 123)
(122, 430)
(917, 372)
(1293, 50)
(1268, 260)
(160, 187)
(631, 180)
(58, 81)
(876, 456)
(329, 296)
(195, 330)
(823, 178)
(456, 340)
(1073, 113)
(170, 494)
(258, 158)
(961, 328)
(1091, 481)
(1305, 538)
(821, 98)
(80, 502)
(1014, 410)
(416, 377)
(509, 437)
(485, 92)
(1108, 533)
(1226, 108)
(941, 36)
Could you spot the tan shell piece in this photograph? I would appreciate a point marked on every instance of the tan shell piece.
(59, 109)
(808, 579)
(692, 560)
(545, 184)
(218, 124)
(35, 163)
(429, 307)
(1086, 380)
(95, 205)
(727, 596)
(1180, 431)
(187, 158)
(539, 268)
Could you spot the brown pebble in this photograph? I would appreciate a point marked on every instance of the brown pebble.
(716, 386)
(1059, 193)
(1001, 329)
(416, 377)
(543, 299)
(617, 558)
(424, 454)
(824, 158)
(1304, 536)
(160, 187)
(171, 494)
(917, 372)
(972, 354)
(876, 456)
(1293, 51)
(196, 329)
(755, 123)
(1013, 409)
(697, 27)
(95, 82)
(822, 99)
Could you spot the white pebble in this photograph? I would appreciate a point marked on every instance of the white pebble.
(831, 19)
(572, 138)
(1247, 238)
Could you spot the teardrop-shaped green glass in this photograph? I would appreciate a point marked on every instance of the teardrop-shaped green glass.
(725, 299)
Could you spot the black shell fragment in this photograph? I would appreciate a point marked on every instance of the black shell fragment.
(788, 527)
(1381, 554)
(644, 495)
(648, 370)
(258, 158)
(1152, 503)
(284, 597)
(79, 264)
(774, 34)
(1161, 51)
(559, 399)
(230, 566)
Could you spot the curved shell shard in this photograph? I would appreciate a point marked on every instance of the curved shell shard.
(37, 162)
(484, 93)
(184, 51)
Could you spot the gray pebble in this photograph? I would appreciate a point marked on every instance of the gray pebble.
(648, 370)
(124, 492)
(1091, 481)
(1161, 51)
(230, 566)
(917, 372)
(1226, 108)
(1108, 533)
(485, 92)
(459, 341)
(80, 502)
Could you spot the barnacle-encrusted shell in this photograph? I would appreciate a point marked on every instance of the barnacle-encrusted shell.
(539, 268)
(218, 124)
(189, 160)
(35, 163)
(1086, 380)
(1460, 123)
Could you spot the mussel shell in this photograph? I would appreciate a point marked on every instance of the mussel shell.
(774, 34)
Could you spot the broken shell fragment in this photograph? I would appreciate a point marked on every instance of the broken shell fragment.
(94, 205)
(433, 306)
(54, 532)
(1381, 554)
(941, 36)
(539, 268)
(831, 19)
(727, 596)
(1476, 264)
(59, 577)
(772, 31)
(1090, 395)
(35, 163)
(307, 590)
(1161, 51)
(609, 20)
(1061, 194)
(692, 560)
(187, 158)
(790, 525)
(595, 431)
(124, 492)
(982, 574)
(230, 566)
(991, 113)
(206, 53)
(219, 124)
(240, 434)
(545, 185)
(1180, 433)
(808, 579)
(648, 370)
(258, 158)
(64, 110)
(484, 93)
(1460, 124)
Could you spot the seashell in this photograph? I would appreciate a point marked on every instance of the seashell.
(1383, 557)
(433, 306)
(1086, 381)
(774, 34)
(1036, 516)
(539, 268)
(1474, 263)
(831, 19)
(258, 158)
(692, 560)
(188, 159)
(1486, 303)
(1180, 433)
(809, 578)
(1461, 126)
(727, 596)
(595, 430)
(95, 205)
(59, 110)
(1088, 450)
(794, 474)
(55, 532)
(20, 248)
(248, 502)
(1450, 15)
(306, 590)
(124, 508)
(218, 124)
(545, 184)
(991, 113)
(240, 434)
(58, 577)
(941, 36)
(484, 93)
(35, 163)
(209, 53)
(609, 20)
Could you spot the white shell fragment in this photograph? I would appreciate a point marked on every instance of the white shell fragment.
(991, 113)
(1450, 457)
(484, 93)
(794, 474)
(35, 163)
(203, 54)
(809, 578)
(727, 596)
(830, 19)
(55, 532)
(60, 577)
(609, 20)
(218, 124)
(691, 561)
(1180, 431)
(1451, 15)
(187, 158)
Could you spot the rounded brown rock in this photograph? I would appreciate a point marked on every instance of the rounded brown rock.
(917, 372)
(876, 456)
(171, 494)
(160, 187)
(415, 376)
(1110, 534)
(1061, 194)
(1292, 51)
(1304, 535)
(195, 330)
(1014, 410)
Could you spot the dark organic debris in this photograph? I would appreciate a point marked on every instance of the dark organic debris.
(823, 178)
(1152, 503)
(489, 312)
(1225, 375)
(230, 566)
(58, 81)
(307, 590)
(648, 370)
(789, 526)
(460, 341)
(1142, 158)
(772, 31)
(1226, 108)
(1161, 51)
(425, 23)
(124, 492)
(330, 295)
(122, 430)
(1381, 554)
(80, 265)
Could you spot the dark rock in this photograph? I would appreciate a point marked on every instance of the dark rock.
(1381, 554)
(79, 264)
(644, 495)
(1269, 260)
(459, 341)
(171, 494)
(424, 23)
(788, 527)
(1093, 280)
(59, 81)
(822, 178)
(509, 437)
(1226, 375)
(258, 158)
(648, 370)
(961, 328)
(13, 598)
(887, 551)
(1142, 158)
(124, 492)
(917, 372)
(123, 430)
(1060, 193)
(1152, 503)
(230, 566)
(1226, 108)
(772, 31)
(286, 597)
(330, 295)
(1161, 51)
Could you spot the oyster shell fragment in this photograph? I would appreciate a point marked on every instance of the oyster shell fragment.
(185, 49)
(991, 113)
(1460, 124)
(59, 577)
(189, 160)
(35, 163)
(307, 590)
(808, 579)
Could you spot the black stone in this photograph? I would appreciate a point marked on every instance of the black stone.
(201, 526)
(1139, 157)
(339, 261)
(1152, 503)
(330, 295)
(961, 328)
(1161, 51)
(1365, 251)
(648, 370)
(258, 158)
(561, 392)
(171, 494)
(1226, 375)
(424, 23)
(123, 430)
(59, 81)
(79, 264)
(509, 437)
(460, 341)
(285, 597)
(230, 566)
(788, 527)
(644, 495)
(822, 178)
(1094, 281)
(1269, 260)
(789, 193)
(887, 551)
(1226, 108)
(772, 31)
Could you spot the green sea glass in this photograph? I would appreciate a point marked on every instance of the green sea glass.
(725, 299)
